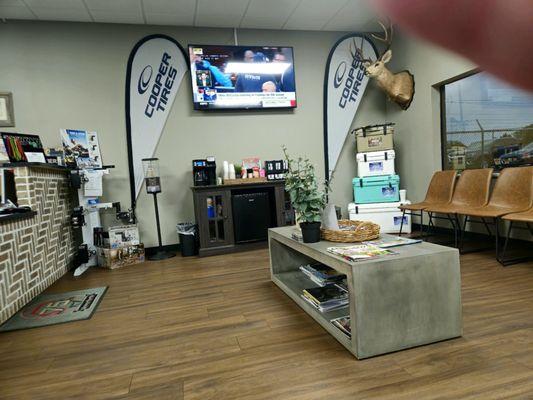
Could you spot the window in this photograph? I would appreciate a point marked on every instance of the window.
(485, 123)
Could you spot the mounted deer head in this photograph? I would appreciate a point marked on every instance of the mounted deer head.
(399, 87)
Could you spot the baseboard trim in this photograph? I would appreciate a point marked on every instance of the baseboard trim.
(169, 247)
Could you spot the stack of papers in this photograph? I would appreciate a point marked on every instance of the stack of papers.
(321, 274)
(327, 298)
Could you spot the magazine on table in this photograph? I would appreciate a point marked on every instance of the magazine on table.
(321, 274)
(386, 242)
(343, 323)
(329, 306)
(327, 298)
(359, 252)
(329, 292)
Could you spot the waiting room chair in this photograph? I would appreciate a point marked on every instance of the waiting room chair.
(440, 191)
(511, 194)
(525, 217)
(471, 190)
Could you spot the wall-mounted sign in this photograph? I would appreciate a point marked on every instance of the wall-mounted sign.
(345, 83)
(156, 67)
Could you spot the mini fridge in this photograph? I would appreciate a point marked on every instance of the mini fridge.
(251, 216)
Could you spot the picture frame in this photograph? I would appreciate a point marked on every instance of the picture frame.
(7, 113)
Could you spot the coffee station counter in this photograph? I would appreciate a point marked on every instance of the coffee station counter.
(236, 217)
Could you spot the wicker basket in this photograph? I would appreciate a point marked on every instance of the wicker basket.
(360, 231)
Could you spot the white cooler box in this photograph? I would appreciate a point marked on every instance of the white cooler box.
(387, 215)
(375, 163)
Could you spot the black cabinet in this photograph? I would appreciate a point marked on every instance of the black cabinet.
(213, 216)
(233, 217)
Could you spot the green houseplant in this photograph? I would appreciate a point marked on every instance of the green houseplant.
(307, 199)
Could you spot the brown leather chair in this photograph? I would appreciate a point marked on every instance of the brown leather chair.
(471, 190)
(440, 191)
(511, 194)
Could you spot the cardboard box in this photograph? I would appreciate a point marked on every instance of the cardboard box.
(121, 257)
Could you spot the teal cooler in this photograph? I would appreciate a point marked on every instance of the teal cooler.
(376, 189)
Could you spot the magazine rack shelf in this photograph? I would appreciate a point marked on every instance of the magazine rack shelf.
(398, 301)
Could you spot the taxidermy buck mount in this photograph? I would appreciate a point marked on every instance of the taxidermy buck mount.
(400, 86)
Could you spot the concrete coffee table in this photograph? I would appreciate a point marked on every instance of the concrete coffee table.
(396, 302)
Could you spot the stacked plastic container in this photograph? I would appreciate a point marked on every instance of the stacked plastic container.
(377, 187)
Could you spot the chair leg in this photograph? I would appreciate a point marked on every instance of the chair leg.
(497, 229)
(502, 258)
(455, 241)
(458, 223)
(486, 226)
(421, 223)
(401, 223)
(463, 235)
(430, 224)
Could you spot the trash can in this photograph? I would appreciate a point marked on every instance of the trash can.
(187, 232)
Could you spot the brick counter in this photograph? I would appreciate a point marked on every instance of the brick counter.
(37, 250)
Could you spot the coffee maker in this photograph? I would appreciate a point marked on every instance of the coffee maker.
(204, 172)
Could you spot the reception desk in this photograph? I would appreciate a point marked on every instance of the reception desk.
(36, 247)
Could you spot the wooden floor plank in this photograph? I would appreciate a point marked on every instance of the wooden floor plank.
(217, 328)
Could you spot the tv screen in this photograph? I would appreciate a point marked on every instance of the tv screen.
(242, 77)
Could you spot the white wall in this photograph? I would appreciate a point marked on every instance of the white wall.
(72, 75)
(418, 136)
(418, 131)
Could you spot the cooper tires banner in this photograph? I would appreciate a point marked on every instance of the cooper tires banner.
(344, 85)
(156, 67)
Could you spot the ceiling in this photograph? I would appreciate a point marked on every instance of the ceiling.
(320, 15)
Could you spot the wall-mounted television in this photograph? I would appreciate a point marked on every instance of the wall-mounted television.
(242, 77)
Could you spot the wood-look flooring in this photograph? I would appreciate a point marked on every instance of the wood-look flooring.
(217, 328)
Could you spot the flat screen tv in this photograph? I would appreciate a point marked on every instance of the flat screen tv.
(242, 77)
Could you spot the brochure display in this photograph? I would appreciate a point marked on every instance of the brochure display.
(406, 298)
(82, 154)
(81, 149)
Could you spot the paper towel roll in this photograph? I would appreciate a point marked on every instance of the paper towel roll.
(226, 170)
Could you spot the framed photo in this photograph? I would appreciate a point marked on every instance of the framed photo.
(7, 115)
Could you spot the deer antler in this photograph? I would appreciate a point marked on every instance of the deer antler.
(387, 36)
(357, 51)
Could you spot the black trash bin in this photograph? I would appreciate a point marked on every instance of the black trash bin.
(188, 239)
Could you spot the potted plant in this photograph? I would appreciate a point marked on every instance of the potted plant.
(307, 199)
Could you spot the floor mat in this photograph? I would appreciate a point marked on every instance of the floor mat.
(56, 308)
